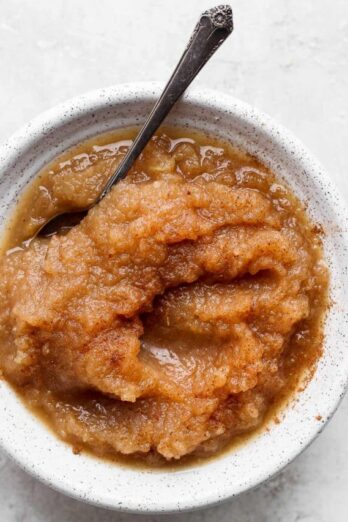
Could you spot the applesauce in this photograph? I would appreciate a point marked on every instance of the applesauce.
(177, 315)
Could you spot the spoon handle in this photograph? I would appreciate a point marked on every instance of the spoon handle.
(214, 26)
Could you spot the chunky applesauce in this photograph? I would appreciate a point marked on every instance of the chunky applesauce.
(177, 314)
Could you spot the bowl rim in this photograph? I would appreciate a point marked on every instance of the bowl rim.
(95, 99)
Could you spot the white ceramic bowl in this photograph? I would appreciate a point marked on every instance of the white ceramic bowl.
(37, 450)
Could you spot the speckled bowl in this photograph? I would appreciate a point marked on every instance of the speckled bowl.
(37, 450)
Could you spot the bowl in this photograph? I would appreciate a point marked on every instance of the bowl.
(102, 483)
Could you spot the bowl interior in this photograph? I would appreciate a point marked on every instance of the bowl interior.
(102, 483)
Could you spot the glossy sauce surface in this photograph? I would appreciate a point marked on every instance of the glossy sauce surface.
(181, 310)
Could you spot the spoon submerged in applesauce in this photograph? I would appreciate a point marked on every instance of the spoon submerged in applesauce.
(214, 26)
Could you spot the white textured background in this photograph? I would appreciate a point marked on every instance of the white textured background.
(288, 58)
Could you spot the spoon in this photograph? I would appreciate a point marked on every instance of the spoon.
(214, 26)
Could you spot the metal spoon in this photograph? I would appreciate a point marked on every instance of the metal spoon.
(214, 26)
